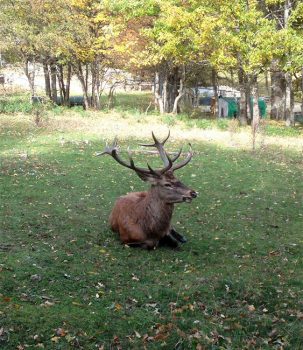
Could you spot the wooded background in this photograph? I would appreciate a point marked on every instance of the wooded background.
(178, 45)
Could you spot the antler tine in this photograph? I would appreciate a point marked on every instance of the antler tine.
(132, 164)
(109, 149)
(185, 161)
(160, 147)
(177, 155)
(156, 141)
(163, 142)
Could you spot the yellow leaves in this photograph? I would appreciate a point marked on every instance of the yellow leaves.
(179, 310)
(118, 307)
(82, 4)
(101, 17)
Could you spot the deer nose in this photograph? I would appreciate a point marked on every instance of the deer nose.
(193, 194)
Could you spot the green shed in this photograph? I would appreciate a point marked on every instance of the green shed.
(261, 104)
(229, 107)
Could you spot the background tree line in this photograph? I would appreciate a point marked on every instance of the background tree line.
(178, 44)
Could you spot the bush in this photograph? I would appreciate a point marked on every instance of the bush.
(204, 123)
(279, 130)
(15, 105)
(223, 124)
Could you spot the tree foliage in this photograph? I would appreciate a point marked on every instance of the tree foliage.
(167, 38)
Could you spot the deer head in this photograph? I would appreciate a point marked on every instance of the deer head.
(163, 181)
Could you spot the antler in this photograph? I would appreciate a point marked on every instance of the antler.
(113, 151)
(185, 161)
(160, 147)
(168, 162)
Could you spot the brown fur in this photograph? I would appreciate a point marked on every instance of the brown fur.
(140, 216)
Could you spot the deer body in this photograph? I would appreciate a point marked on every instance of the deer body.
(144, 218)
(141, 216)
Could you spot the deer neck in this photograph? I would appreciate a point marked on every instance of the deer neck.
(158, 213)
(155, 199)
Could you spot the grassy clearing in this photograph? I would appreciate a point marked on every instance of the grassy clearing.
(66, 282)
(139, 105)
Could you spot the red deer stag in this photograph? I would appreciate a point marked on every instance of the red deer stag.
(144, 218)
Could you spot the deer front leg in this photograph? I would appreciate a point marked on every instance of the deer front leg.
(177, 236)
(169, 240)
(149, 244)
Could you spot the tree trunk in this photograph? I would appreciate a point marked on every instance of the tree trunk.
(267, 83)
(164, 93)
(255, 110)
(30, 75)
(111, 95)
(243, 106)
(214, 79)
(83, 82)
(47, 80)
(60, 77)
(166, 88)
(302, 91)
(67, 85)
(158, 92)
(180, 92)
(64, 84)
(277, 98)
(53, 70)
(95, 73)
(174, 79)
(255, 98)
(289, 101)
(249, 111)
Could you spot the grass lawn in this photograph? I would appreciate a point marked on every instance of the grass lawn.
(66, 282)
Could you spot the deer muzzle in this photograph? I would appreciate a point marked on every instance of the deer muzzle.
(192, 194)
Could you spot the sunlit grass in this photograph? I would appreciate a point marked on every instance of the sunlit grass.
(66, 282)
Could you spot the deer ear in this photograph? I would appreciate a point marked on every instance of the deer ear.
(152, 179)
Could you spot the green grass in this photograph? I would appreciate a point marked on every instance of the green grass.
(66, 282)
(15, 103)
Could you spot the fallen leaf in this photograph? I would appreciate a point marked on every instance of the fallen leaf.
(47, 304)
(300, 315)
(55, 339)
(135, 278)
(251, 308)
(160, 336)
(118, 307)
(69, 338)
(138, 335)
(7, 299)
(191, 307)
(60, 332)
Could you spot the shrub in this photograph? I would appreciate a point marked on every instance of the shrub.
(223, 124)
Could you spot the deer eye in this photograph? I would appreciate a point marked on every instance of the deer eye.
(168, 185)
